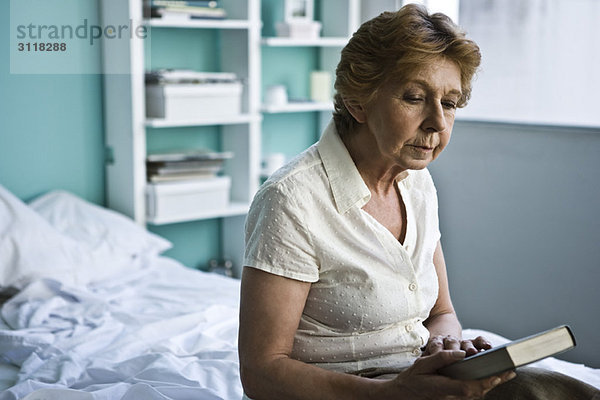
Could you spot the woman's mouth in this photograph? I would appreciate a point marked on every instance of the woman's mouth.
(423, 149)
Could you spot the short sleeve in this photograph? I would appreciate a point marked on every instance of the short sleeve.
(276, 239)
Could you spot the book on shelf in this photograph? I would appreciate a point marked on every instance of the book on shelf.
(171, 168)
(512, 355)
(180, 176)
(183, 3)
(184, 9)
(189, 155)
(186, 76)
(185, 165)
(190, 13)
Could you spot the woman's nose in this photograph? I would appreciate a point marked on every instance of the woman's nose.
(435, 120)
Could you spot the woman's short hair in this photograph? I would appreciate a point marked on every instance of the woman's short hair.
(393, 45)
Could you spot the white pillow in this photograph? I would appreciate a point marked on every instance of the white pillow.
(30, 248)
(97, 228)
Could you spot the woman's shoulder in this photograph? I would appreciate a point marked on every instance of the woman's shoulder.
(299, 182)
(295, 176)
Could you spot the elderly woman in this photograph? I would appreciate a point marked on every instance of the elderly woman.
(344, 293)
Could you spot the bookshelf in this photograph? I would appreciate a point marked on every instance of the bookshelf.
(127, 127)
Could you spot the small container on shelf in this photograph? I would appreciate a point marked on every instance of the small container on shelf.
(299, 29)
(178, 95)
(186, 200)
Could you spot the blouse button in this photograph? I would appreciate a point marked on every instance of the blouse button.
(416, 352)
(412, 287)
(409, 328)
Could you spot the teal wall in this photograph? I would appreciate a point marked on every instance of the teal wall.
(51, 126)
(288, 133)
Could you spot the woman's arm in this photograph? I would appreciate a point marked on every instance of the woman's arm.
(270, 312)
(442, 319)
(443, 325)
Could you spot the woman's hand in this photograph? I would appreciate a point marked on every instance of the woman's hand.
(469, 346)
(421, 380)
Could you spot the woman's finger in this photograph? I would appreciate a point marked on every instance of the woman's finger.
(430, 364)
(451, 343)
(482, 343)
(468, 347)
(435, 344)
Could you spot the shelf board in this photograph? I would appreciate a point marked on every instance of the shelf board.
(228, 120)
(318, 42)
(199, 23)
(234, 208)
(290, 107)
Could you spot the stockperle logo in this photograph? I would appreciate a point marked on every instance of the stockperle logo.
(70, 36)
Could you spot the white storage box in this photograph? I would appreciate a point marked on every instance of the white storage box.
(299, 29)
(179, 201)
(193, 101)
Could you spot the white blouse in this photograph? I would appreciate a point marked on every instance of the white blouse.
(370, 294)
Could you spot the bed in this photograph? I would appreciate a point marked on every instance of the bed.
(92, 310)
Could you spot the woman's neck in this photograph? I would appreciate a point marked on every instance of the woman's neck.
(378, 173)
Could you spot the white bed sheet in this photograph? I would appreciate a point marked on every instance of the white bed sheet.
(163, 332)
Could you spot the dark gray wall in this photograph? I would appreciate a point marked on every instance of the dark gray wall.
(519, 211)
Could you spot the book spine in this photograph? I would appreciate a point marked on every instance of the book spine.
(184, 3)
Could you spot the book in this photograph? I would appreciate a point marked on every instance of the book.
(188, 155)
(156, 8)
(512, 355)
(185, 165)
(182, 177)
(186, 76)
(189, 12)
(182, 3)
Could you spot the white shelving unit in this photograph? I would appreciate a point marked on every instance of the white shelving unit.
(126, 124)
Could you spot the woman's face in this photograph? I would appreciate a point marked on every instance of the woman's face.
(411, 122)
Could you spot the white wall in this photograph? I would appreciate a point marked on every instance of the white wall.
(541, 60)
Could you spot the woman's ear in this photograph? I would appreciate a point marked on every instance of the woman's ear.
(356, 110)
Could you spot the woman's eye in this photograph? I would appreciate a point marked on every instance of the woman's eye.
(413, 99)
(450, 105)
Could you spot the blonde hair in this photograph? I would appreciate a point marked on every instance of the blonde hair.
(393, 45)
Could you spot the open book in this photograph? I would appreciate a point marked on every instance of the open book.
(512, 355)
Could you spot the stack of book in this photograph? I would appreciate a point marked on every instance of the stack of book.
(185, 166)
(185, 9)
(177, 76)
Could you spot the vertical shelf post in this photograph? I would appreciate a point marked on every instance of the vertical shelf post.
(124, 111)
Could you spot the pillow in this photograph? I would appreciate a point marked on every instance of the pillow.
(30, 248)
(97, 228)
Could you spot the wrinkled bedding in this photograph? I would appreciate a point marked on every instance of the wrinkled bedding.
(163, 332)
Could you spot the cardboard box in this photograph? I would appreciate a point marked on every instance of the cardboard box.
(186, 200)
(193, 101)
